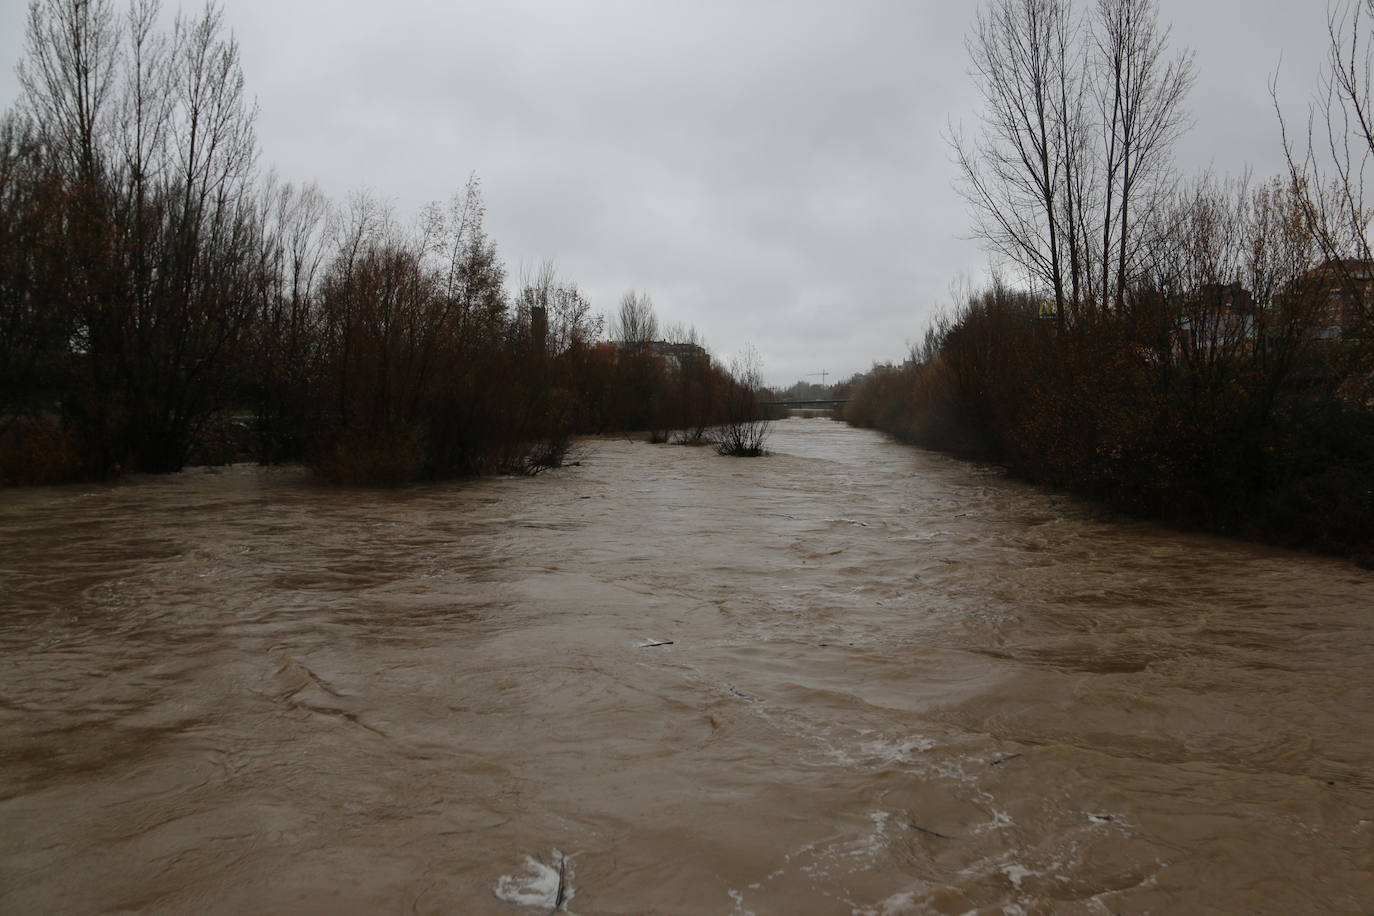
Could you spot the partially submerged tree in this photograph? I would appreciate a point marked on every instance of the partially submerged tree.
(634, 330)
(745, 429)
(148, 160)
(694, 386)
(156, 291)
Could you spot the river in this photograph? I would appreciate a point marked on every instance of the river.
(851, 677)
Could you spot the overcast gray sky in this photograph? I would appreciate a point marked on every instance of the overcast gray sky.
(770, 172)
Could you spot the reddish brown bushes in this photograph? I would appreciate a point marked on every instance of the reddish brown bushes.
(36, 451)
(1256, 441)
(156, 293)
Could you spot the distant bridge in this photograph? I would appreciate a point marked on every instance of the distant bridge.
(821, 404)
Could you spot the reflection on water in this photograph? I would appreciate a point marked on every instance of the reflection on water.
(848, 678)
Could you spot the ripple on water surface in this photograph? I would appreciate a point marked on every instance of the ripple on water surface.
(851, 677)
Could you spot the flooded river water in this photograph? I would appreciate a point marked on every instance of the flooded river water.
(851, 677)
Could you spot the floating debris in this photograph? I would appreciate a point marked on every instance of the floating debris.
(547, 886)
(928, 832)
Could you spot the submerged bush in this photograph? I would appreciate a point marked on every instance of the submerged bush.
(1257, 437)
(746, 426)
(38, 451)
(160, 293)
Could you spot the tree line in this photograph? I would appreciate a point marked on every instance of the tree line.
(1189, 348)
(163, 301)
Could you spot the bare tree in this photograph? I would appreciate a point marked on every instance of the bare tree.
(1015, 171)
(151, 141)
(68, 74)
(745, 430)
(1141, 92)
(283, 352)
(1329, 161)
(35, 328)
(145, 113)
(558, 315)
(1077, 123)
(197, 233)
(694, 385)
(639, 371)
(635, 326)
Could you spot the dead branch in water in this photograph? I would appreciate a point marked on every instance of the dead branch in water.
(926, 830)
(561, 896)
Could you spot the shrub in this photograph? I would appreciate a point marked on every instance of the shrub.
(38, 451)
(745, 429)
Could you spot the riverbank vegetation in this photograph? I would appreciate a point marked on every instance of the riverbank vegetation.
(162, 300)
(745, 430)
(1196, 350)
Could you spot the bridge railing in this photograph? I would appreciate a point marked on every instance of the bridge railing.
(813, 403)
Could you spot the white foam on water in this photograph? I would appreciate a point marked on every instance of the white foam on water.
(538, 885)
(901, 751)
(871, 752)
(896, 905)
(1105, 819)
(738, 899)
(876, 841)
(1001, 820)
(1017, 874)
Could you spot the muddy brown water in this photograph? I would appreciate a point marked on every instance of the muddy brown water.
(886, 682)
